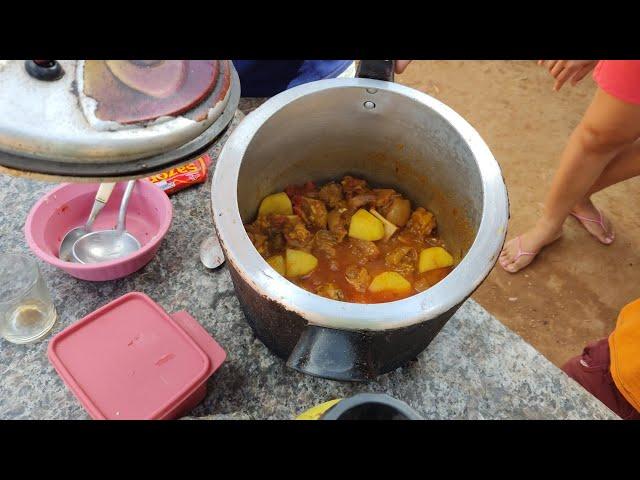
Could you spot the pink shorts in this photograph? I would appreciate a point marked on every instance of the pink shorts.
(619, 78)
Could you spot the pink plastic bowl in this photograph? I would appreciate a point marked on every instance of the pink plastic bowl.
(67, 206)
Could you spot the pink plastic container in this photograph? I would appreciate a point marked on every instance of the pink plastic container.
(130, 360)
(67, 206)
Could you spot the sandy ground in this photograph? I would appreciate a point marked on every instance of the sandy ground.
(573, 291)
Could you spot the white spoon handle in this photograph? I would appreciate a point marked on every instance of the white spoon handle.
(104, 192)
(102, 197)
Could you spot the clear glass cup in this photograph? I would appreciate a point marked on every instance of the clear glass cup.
(27, 312)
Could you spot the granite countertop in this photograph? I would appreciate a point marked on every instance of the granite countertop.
(475, 368)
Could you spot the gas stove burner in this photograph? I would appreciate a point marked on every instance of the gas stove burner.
(112, 118)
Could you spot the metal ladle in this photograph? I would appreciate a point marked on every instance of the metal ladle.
(72, 236)
(106, 245)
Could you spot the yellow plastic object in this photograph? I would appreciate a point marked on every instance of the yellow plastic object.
(277, 203)
(389, 282)
(389, 228)
(365, 226)
(434, 258)
(316, 412)
(277, 262)
(299, 263)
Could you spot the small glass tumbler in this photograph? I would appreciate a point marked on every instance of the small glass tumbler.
(26, 310)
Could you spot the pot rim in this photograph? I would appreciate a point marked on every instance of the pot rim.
(446, 294)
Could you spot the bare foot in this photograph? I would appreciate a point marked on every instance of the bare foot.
(520, 251)
(594, 222)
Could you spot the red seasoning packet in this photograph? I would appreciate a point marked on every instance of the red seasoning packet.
(179, 178)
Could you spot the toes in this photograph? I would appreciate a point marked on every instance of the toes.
(505, 259)
(603, 236)
(507, 263)
(611, 235)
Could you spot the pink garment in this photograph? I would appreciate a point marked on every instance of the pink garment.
(619, 78)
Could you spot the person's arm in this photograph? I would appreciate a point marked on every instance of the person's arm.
(563, 70)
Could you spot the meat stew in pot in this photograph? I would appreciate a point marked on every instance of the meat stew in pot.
(350, 242)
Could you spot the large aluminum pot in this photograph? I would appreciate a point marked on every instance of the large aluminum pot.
(392, 135)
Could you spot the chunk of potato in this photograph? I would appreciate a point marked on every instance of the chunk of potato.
(433, 258)
(390, 282)
(389, 228)
(299, 263)
(277, 262)
(277, 203)
(365, 226)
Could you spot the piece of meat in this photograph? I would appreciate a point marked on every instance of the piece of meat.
(331, 194)
(297, 236)
(268, 224)
(402, 260)
(260, 242)
(277, 243)
(420, 225)
(338, 221)
(363, 250)
(312, 212)
(353, 186)
(358, 277)
(267, 234)
(308, 189)
(280, 231)
(384, 197)
(361, 200)
(398, 211)
(324, 244)
(330, 290)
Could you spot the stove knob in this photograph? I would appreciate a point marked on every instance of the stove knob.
(47, 70)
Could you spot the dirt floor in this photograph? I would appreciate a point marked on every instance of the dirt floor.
(572, 292)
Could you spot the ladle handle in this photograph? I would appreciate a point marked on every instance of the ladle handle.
(102, 197)
(123, 206)
(377, 69)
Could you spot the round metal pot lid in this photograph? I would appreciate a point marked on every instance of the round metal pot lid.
(104, 118)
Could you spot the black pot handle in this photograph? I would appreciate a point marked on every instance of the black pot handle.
(334, 354)
(377, 69)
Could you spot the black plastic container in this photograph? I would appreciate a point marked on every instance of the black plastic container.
(371, 406)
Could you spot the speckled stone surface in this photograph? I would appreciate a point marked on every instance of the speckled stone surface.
(475, 368)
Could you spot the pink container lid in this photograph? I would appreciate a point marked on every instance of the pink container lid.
(130, 360)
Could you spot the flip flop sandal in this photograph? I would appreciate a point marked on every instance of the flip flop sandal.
(521, 253)
(600, 222)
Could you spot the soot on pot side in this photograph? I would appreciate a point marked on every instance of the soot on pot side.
(347, 241)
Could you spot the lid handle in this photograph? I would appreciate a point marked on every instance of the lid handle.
(45, 70)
